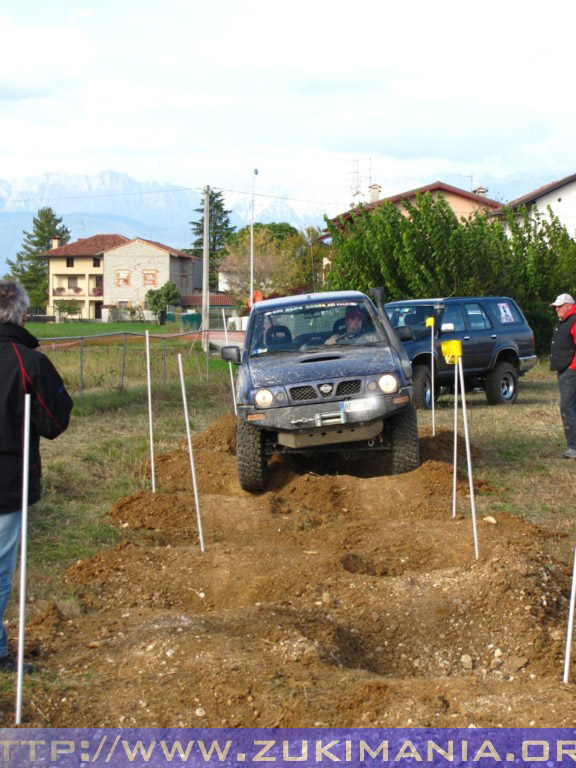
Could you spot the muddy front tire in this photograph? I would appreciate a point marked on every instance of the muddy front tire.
(251, 457)
(405, 447)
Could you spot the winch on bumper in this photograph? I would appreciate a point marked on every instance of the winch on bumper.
(318, 424)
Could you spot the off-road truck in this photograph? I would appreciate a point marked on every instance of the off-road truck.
(322, 372)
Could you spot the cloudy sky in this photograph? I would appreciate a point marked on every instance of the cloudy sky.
(310, 92)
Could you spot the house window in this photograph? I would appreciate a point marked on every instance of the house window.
(96, 261)
(69, 261)
(122, 277)
(150, 277)
(72, 282)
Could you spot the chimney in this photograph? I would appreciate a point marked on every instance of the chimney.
(55, 243)
(481, 191)
(375, 190)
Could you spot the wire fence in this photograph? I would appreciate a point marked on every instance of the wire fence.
(118, 360)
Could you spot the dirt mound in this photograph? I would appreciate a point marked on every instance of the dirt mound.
(336, 598)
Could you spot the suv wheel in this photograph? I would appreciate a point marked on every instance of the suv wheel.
(251, 456)
(422, 384)
(403, 427)
(501, 386)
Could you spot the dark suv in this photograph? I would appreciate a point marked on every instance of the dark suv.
(322, 372)
(497, 344)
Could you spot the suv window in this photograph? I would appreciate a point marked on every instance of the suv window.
(477, 318)
(504, 312)
(452, 314)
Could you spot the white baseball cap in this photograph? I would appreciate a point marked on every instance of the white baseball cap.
(564, 298)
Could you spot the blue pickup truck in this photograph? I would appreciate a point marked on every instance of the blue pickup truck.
(497, 344)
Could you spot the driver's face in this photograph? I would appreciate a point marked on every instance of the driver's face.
(353, 324)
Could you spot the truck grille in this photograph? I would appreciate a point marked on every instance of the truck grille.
(309, 392)
(348, 388)
(303, 393)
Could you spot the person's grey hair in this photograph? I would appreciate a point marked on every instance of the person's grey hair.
(14, 301)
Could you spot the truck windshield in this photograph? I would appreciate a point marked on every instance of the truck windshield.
(321, 325)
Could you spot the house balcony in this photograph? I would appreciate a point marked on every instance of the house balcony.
(67, 292)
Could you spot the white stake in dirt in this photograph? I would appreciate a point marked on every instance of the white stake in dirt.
(455, 458)
(230, 365)
(23, 551)
(570, 624)
(452, 351)
(468, 459)
(150, 429)
(191, 454)
(430, 324)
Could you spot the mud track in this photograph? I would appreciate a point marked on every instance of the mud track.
(340, 597)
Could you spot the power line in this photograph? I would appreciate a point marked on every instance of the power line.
(171, 190)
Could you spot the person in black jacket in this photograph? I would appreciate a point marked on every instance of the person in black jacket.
(24, 371)
(563, 360)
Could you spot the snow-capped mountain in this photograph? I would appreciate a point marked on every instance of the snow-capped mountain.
(113, 202)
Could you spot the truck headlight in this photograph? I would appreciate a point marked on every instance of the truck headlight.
(388, 384)
(263, 398)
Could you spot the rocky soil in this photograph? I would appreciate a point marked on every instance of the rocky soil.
(340, 597)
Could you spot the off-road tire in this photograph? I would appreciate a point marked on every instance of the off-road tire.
(422, 387)
(501, 385)
(405, 447)
(251, 457)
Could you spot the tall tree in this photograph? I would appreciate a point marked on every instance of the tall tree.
(429, 252)
(30, 266)
(220, 231)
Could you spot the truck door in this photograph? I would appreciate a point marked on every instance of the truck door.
(479, 339)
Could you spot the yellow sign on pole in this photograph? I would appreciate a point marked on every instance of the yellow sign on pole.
(429, 322)
(452, 350)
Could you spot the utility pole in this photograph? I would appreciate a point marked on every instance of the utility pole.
(206, 271)
(251, 300)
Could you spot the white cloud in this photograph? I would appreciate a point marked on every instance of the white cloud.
(202, 91)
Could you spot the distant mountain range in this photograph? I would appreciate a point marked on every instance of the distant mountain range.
(113, 202)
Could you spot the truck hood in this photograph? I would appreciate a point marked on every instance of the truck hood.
(289, 368)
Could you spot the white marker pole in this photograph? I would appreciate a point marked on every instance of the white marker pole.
(190, 453)
(468, 459)
(151, 432)
(455, 459)
(230, 365)
(23, 551)
(570, 623)
(432, 377)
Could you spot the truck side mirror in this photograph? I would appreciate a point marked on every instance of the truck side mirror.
(232, 354)
(447, 327)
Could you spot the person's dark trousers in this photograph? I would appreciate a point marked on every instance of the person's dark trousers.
(567, 387)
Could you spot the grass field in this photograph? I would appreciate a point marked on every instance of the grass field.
(77, 329)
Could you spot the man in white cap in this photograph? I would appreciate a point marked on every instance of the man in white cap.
(563, 360)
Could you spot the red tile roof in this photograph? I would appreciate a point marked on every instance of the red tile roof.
(99, 244)
(89, 246)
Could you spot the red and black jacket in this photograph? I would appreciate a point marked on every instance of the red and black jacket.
(563, 352)
(24, 370)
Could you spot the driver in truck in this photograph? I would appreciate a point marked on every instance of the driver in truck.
(354, 320)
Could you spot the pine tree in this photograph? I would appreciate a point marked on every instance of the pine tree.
(220, 230)
(30, 266)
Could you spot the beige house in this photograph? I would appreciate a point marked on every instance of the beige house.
(462, 202)
(106, 271)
